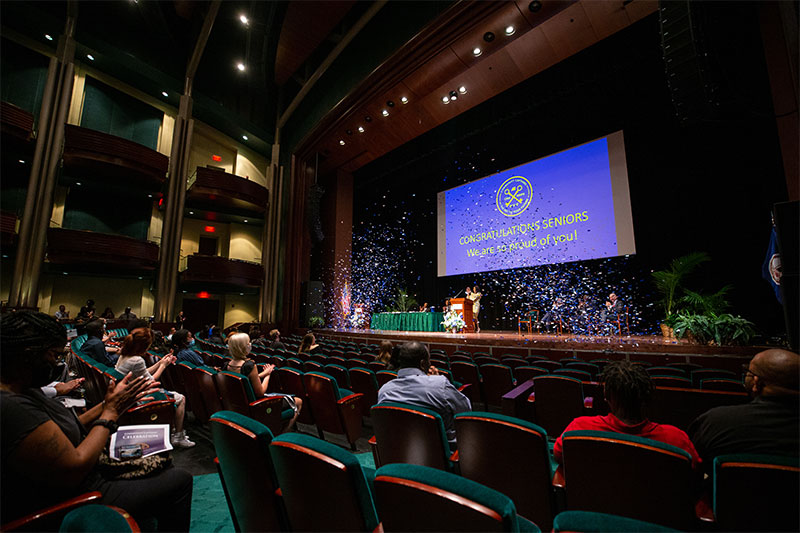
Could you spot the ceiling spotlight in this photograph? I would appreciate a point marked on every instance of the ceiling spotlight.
(488, 36)
(240, 66)
(462, 90)
(90, 56)
(404, 99)
(453, 95)
(191, 212)
(149, 195)
(48, 37)
(361, 129)
(445, 99)
(390, 103)
(245, 221)
(245, 137)
(164, 94)
(384, 112)
(22, 161)
(368, 119)
(341, 141)
(476, 51)
(510, 30)
(244, 20)
(77, 183)
(535, 6)
(349, 132)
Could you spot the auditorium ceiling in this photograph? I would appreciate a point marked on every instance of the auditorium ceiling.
(346, 81)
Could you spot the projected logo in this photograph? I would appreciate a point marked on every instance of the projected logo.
(514, 196)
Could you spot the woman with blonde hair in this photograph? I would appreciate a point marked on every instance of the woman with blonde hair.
(131, 359)
(239, 347)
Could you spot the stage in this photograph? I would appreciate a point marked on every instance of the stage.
(653, 349)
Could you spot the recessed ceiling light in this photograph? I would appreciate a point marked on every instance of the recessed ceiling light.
(535, 6)
(385, 113)
(65, 273)
(245, 220)
(149, 195)
(191, 212)
(78, 183)
(22, 161)
(341, 141)
(510, 30)
(488, 36)
(368, 119)
(244, 19)
(361, 129)
(453, 95)
(241, 294)
(164, 94)
(140, 277)
(390, 103)
(476, 51)
(48, 37)
(404, 99)
(245, 137)
(90, 56)
(240, 66)
(349, 132)
(445, 99)
(462, 90)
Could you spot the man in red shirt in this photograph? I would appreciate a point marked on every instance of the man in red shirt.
(627, 388)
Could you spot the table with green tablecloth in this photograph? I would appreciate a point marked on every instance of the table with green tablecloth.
(427, 321)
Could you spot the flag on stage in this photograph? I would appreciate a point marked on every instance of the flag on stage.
(771, 269)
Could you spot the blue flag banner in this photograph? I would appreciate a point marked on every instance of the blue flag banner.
(771, 269)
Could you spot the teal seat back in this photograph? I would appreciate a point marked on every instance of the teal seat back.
(96, 518)
(407, 433)
(585, 521)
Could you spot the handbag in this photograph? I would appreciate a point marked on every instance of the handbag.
(133, 468)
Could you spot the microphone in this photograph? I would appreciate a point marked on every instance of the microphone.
(459, 292)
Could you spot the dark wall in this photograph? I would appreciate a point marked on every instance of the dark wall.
(23, 74)
(707, 184)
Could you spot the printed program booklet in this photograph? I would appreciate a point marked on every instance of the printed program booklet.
(132, 442)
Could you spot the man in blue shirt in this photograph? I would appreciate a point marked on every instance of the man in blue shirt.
(94, 347)
(418, 383)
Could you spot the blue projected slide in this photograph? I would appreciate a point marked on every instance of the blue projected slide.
(569, 206)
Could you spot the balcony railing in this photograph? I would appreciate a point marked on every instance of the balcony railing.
(220, 270)
(219, 191)
(75, 247)
(16, 122)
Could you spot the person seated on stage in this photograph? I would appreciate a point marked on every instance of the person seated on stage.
(127, 315)
(131, 360)
(308, 344)
(553, 316)
(418, 383)
(49, 454)
(584, 312)
(627, 388)
(475, 295)
(385, 353)
(183, 344)
(614, 307)
(239, 347)
(424, 308)
(62, 313)
(276, 343)
(94, 347)
(769, 424)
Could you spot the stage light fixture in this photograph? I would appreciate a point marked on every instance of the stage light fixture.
(384, 112)
(240, 66)
(476, 51)
(488, 36)
(404, 99)
(510, 30)
(535, 6)
(361, 129)
(341, 142)
(90, 56)
(244, 20)
(453, 95)
(48, 37)
(462, 90)
(445, 99)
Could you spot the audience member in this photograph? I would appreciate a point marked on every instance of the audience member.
(159, 345)
(308, 344)
(171, 333)
(49, 454)
(94, 347)
(418, 383)
(276, 343)
(216, 336)
(131, 360)
(127, 315)
(180, 319)
(385, 353)
(62, 313)
(108, 314)
(87, 312)
(182, 343)
(627, 388)
(769, 424)
(62, 388)
(239, 347)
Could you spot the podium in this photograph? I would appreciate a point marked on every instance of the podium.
(463, 306)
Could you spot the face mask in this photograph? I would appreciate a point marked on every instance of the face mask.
(191, 342)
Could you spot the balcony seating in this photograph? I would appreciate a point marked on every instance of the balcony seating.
(218, 189)
(69, 246)
(335, 410)
(492, 445)
(8, 229)
(214, 269)
(312, 470)
(410, 434)
(16, 122)
(756, 492)
(444, 502)
(652, 481)
(247, 472)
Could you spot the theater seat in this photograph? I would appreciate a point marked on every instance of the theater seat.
(511, 456)
(588, 522)
(95, 518)
(629, 476)
(363, 380)
(335, 410)
(324, 487)
(558, 400)
(49, 518)
(419, 498)
(407, 433)
(247, 473)
(756, 492)
(236, 394)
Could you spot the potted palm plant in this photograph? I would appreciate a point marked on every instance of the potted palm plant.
(670, 283)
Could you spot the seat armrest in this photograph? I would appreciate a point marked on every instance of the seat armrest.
(454, 456)
(704, 511)
(373, 444)
(558, 478)
(50, 517)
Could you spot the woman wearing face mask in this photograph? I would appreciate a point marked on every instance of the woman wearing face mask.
(49, 454)
(183, 342)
